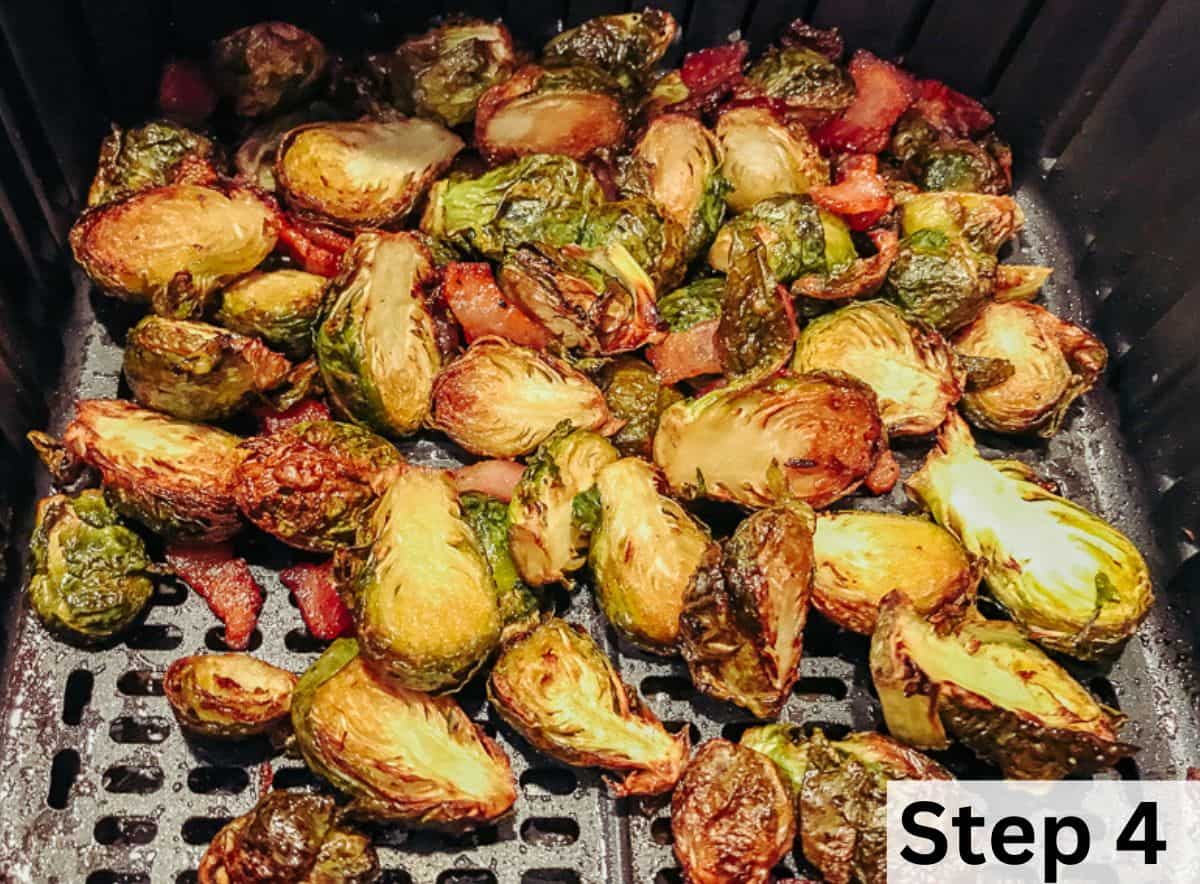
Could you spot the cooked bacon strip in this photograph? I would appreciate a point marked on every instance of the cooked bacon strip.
(860, 196)
(315, 591)
(481, 308)
(495, 477)
(687, 354)
(950, 111)
(271, 421)
(225, 582)
(315, 248)
(884, 92)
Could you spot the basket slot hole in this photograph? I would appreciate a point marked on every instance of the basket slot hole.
(816, 687)
(218, 780)
(660, 832)
(169, 594)
(668, 876)
(558, 597)
(127, 779)
(76, 695)
(128, 729)
(734, 730)
(140, 683)
(191, 876)
(155, 637)
(825, 639)
(832, 729)
(549, 781)
(124, 831)
(301, 641)
(437, 842)
(1105, 691)
(466, 876)
(551, 831)
(202, 829)
(295, 778)
(676, 687)
(550, 876)
(108, 876)
(675, 726)
(64, 770)
(214, 640)
(395, 876)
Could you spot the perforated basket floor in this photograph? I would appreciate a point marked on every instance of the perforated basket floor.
(97, 784)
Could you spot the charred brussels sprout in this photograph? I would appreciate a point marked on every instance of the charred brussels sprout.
(1053, 362)
(742, 626)
(196, 371)
(489, 519)
(936, 160)
(502, 400)
(174, 477)
(1073, 582)
(813, 437)
(940, 280)
(765, 157)
(153, 155)
(289, 836)
(280, 307)
(799, 238)
(651, 238)
(811, 87)
(757, 329)
(228, 696)
(376, 342)
(1020, 282)
(862, 556)
(553, 511)
(628, 45)
(422, 562)
(909, 366)
(310, 484)
(637, 398)
(644, 551)
(556, 687)
(89, 572)
(731, 816)
(174, 246)
(267, 67)
(985, 222)
(538, 199)
(401, 755)
(696, 302)
(368, 173)
(983, 684)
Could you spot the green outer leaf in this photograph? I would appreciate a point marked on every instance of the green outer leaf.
(696, 302)
(336, 656)
(488, 518)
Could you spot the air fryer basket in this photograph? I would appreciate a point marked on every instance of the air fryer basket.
(1098, 97)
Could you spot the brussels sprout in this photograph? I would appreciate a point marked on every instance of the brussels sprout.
(908, 365)
(1054, 363)
(153, 155)
(742, 626)
(1020, 282)
(799, 238)
(653, 239)
(862, 556)
(89, 573)
(936, 160)
(808, 85)
(174, 246)
(402, 755)
(766, 158)
(488, 518)
(628, 46)
(847, 275)
(1073, 582)
(572, 111)
(940, 280)
(255, 157)
(637, 398)
(422, 561)
(446, 70)
(644, 551)
(502, 400)
(985, 222)
(696, 302)
(281, 307)
(368, 173)
(757, 329)
(173, 476)
(552, 513)
(289, 836)
(731, 816)
(196, 371)
(676, 165)
(982, 683)
(375, 341)
(556, 688)
(310, 484)
(813, 437)
(267, 67)
(228, 696)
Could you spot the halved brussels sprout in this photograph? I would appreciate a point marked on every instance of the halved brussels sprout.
(1020, 282)
(813, 437)
(862, 556)
(799, 238)
(571, 111)
(696, 302)
(174, 246)
(153, 155)
(1053, 361)
(810, 87)
(281, 307)
(173, 476)
(402, 755)
(255, 156)
(644, 551)
(196, 371)
(310, 484)
(626, 45)
(553, 511)
(909, 366)
(268, 66)
(651, 238)
(376, 342)
(289, 836)
(731, 816)
(368, 173)
(423, 561)
(89, 573)
(766, 158)
(985, 222)
(489, 518)
(982, 683)
(742, 626)
(636, 397)
(229, 696)
(1073, 582)
(538, 199)
(940, 280)
(502, 400)
(557, 689)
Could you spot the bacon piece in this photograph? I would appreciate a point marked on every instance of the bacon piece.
(185, 92)
(225, 582)
(313, 587)
(883, 93)
(315, 248)
(861, 196)
(481, 308)
(709, 75)
(687, 354)
(495, 477)
(950, 111)
(272, 421)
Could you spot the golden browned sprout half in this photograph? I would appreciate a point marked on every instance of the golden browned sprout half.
(765, 157)
(229, 696)
(280, 307)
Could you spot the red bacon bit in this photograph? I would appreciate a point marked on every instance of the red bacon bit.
(495, 477)
(709, 75)
(687, 354)
(860, 196)
(315, 248)
(266, 778)
(225, 582)
(481, 308)
(884, 92)
(185, 93)
(315, 591)
(272, 421)
(884, 474)
(950, 111)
